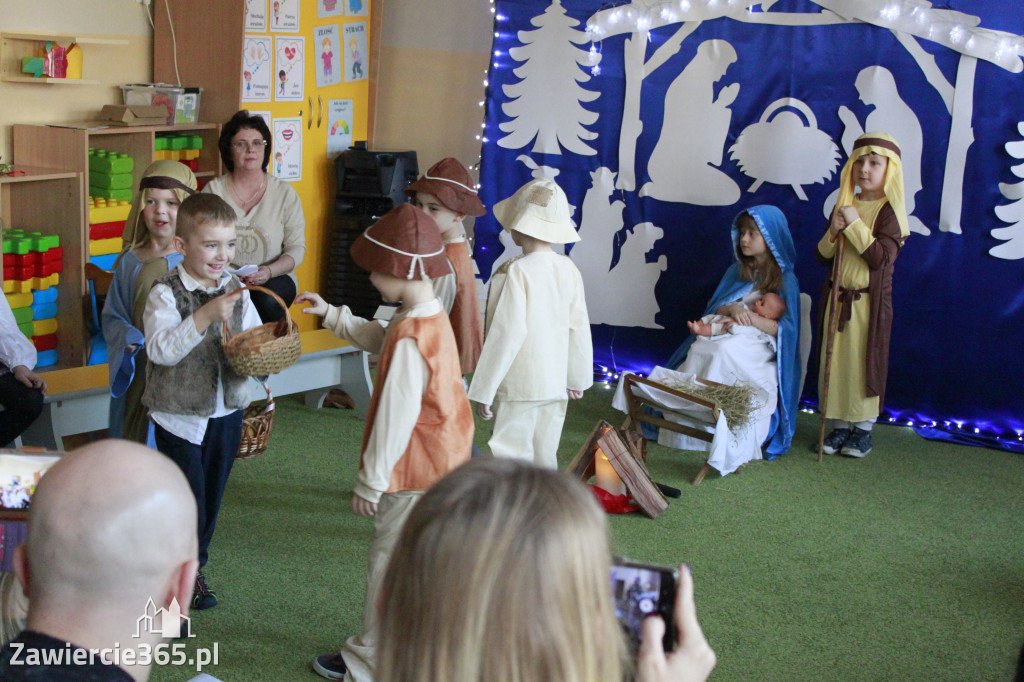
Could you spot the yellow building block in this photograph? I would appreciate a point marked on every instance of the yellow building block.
(19, 300)
(102, 247)
(161, 155)
(189, 154)
(42, 327)
(174, 154)
(108, 210)
(15, 286)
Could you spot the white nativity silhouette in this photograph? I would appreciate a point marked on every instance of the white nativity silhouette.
(546, 103)
(877, 88)
(786, 148)
(909, 23)
(683, 164)
(622, 295)
(1012, 235)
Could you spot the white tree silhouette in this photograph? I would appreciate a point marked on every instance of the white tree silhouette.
(908, 21)
(546, 103)
(1012, 247)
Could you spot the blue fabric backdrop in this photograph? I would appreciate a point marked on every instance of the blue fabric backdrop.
(958, 309)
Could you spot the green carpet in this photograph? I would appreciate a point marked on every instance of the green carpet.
(906, 565)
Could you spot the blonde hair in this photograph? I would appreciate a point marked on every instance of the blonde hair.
(501, 573)
(13, 608)
(769, 281)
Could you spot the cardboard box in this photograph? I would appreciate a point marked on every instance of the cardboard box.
(133, 115)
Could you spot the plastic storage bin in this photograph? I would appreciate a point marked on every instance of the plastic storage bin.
(182, 104)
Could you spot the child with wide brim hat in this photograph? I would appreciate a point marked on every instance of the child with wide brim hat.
(419, 425)
(404, 243)
(539, 209)
(449, 181)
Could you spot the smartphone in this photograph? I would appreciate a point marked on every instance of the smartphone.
(640, 590)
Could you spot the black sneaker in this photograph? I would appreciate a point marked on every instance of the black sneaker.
(202, 596)
(858, 444)
(835, 441)
(331, 666)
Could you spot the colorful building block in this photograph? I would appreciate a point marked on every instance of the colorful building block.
(106, 230)
(106, 211)
(101, 247)
(104, 262)
(110, 162)
(20, 242)
(111, 180)
(124, 195)
(22, 315)
(43, 311)
(13, 286)
(22, 300)
(45, 342)
(46, 358)
(26, 329)
(43, 296)
(44, 327)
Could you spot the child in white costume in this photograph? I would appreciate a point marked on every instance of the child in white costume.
(537, 350)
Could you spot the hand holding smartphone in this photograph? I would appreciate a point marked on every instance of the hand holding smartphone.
(640, 590)
(693, 659)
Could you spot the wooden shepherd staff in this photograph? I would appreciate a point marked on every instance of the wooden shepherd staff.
(830, 340)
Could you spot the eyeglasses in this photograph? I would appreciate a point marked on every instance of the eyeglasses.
(242, 145)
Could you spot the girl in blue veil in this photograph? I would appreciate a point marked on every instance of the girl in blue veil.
(750, 274)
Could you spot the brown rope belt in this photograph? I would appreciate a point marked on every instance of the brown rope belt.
(846, 299)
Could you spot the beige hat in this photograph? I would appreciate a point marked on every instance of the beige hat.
(405, 243)
(172, 175)
(538, 209)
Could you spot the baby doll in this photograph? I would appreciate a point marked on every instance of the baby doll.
(770, 307)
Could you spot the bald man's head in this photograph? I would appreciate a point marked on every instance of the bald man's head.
(110, 521)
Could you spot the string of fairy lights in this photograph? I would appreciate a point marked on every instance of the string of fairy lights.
(918, 18)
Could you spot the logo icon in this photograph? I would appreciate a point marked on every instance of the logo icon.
(164, 622)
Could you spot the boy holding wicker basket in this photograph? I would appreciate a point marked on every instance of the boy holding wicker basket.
(419, 425)
(195, 398)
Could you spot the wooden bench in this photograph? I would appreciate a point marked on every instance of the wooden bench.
(78, 399)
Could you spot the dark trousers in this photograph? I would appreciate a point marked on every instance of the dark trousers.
(22, 405)
(266, 306)
(206, 467)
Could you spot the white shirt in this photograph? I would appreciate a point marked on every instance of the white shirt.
(401, 393)
(15, 348)
(169, 338)
(445, 285)
(537, 342)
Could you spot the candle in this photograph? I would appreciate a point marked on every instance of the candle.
(605, 476)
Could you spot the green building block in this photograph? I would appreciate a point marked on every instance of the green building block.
(110, 162)
(19, 242)
(110, 180)
(161, 143)
(22, 315)
(107, 193)
(26, 328)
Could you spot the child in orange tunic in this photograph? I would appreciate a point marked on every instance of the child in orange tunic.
(419, 425)
(447, 194)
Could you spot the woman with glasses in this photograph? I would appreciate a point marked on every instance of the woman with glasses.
(271, 225)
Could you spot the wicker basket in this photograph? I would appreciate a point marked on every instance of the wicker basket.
(259, 351)
(257, 421)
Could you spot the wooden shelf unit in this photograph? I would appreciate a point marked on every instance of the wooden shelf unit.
(16, 46)
(47, 200)
(53, 197)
